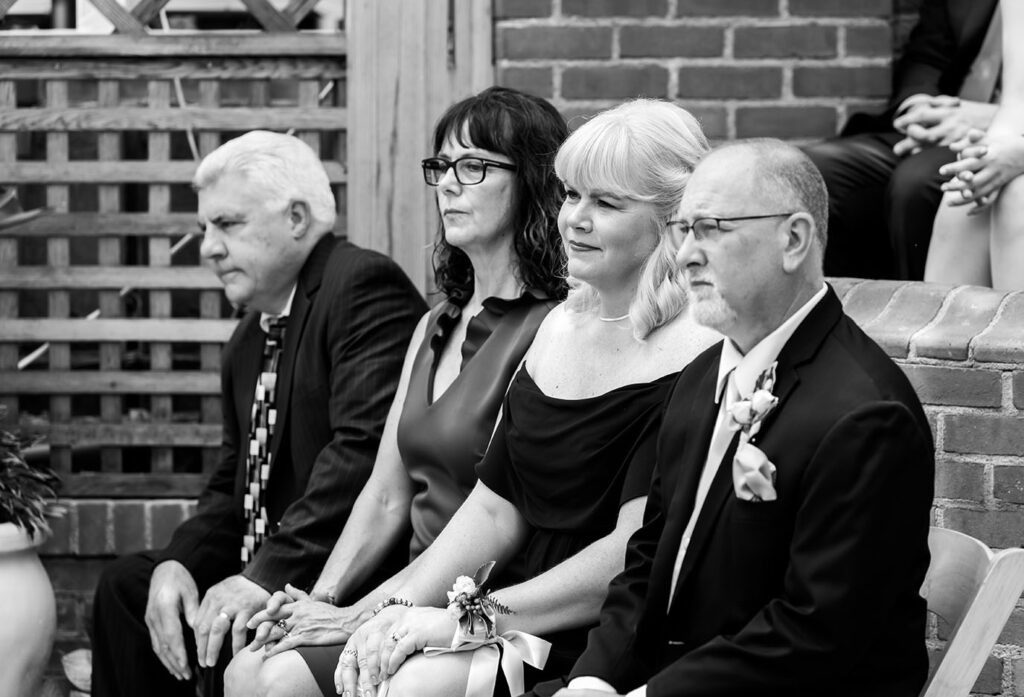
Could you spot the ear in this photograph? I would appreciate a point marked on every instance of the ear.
(801, 233)
(299, 219)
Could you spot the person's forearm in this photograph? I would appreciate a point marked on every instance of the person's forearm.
(485, 528)
(571, 594)
(378, 519)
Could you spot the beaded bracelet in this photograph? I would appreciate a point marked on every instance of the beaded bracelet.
(393, 600)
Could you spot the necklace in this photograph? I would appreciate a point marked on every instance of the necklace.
(614, 319)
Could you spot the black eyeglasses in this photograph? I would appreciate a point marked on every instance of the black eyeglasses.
(707, 228)
(468, 170)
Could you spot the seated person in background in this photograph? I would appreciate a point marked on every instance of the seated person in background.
(786, 533)
(499, 261)
(303, 414)
(882, 172)
(979, 230)
(563, 482)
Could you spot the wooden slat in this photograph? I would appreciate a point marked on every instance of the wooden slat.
(171, 172)
(174, 119)
(123, 20)
(110, 251)
(8, 260)
(161, 408)
(146, 10)
(213, 67)
(268, 16)
(116, 381)
(177, 330)
(141, 485)
(297, 10)
(58, 253)
(133, 434)
(5, 6)
(27, 44)
(106, 224)
(81, 277)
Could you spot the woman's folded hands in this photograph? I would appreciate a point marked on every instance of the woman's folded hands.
(293, 618)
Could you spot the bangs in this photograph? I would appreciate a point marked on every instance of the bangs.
(480, 125)
(604, 157)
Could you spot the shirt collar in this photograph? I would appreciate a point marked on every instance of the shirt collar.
(748, 367)
(266, 317)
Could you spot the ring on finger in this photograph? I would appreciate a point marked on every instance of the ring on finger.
(282, 625)
(224, 615)
(395, 638)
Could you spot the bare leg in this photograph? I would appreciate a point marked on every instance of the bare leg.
(1008, 237)
(434, 676)
(959, 250)
(283, 675)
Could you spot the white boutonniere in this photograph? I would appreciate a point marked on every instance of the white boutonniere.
(753, 475)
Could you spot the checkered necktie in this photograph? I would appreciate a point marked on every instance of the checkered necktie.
(261, 430)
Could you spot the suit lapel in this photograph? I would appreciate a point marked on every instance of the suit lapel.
(800, 348)
(697, 426)
(308, 285)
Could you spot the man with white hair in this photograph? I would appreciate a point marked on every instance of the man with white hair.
(307, 380)
(786, 532)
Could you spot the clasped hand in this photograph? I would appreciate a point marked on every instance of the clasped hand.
(293, 618)
(985, 163)
(381, 644)
(225, 609)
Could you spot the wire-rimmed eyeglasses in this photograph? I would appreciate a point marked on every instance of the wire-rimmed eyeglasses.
(708, 228)
(468, 170)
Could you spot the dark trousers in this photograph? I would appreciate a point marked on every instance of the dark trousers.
(881, 207)
(123, 662)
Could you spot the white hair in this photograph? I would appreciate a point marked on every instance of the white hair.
(284, 168)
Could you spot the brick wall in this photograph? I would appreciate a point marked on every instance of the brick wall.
(786, 68)
(963, 349)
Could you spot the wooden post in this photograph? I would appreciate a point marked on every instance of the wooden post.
(406, 63)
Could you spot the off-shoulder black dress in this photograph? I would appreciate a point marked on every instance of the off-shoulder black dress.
(568, 465)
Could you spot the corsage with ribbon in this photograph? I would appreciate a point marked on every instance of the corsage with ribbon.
(473, 608)
(753, 475)
(476, 610)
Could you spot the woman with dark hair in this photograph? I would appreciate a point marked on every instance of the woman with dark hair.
(499, 262)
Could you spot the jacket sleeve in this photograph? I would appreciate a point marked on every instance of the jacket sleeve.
(855, 560)
(373, 310)
(927, 55)
(208, 544)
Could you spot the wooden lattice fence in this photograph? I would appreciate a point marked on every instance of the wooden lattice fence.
(96, 129)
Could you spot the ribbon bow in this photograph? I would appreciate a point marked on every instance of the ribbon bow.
(511, 649)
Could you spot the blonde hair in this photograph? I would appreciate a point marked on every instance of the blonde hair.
(644, 150)
(283, 167)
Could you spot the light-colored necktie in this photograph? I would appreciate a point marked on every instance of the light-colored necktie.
(980, 83)
(720, 439)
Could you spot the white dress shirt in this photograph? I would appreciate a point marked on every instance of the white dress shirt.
(266, 317)
(740, 371)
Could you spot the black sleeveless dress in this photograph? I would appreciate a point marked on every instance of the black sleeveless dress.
(442, 440)
(568, 465)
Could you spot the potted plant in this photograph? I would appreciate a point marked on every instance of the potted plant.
(27, 498)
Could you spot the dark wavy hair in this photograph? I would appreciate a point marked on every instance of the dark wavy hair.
(528, 131)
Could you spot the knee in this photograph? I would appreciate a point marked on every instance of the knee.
(274, 677)
(124, 583)
(415, 678)
(917, 178)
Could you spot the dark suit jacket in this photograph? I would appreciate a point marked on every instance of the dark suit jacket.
(938, 55)
(816, 590)
(353, 313)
